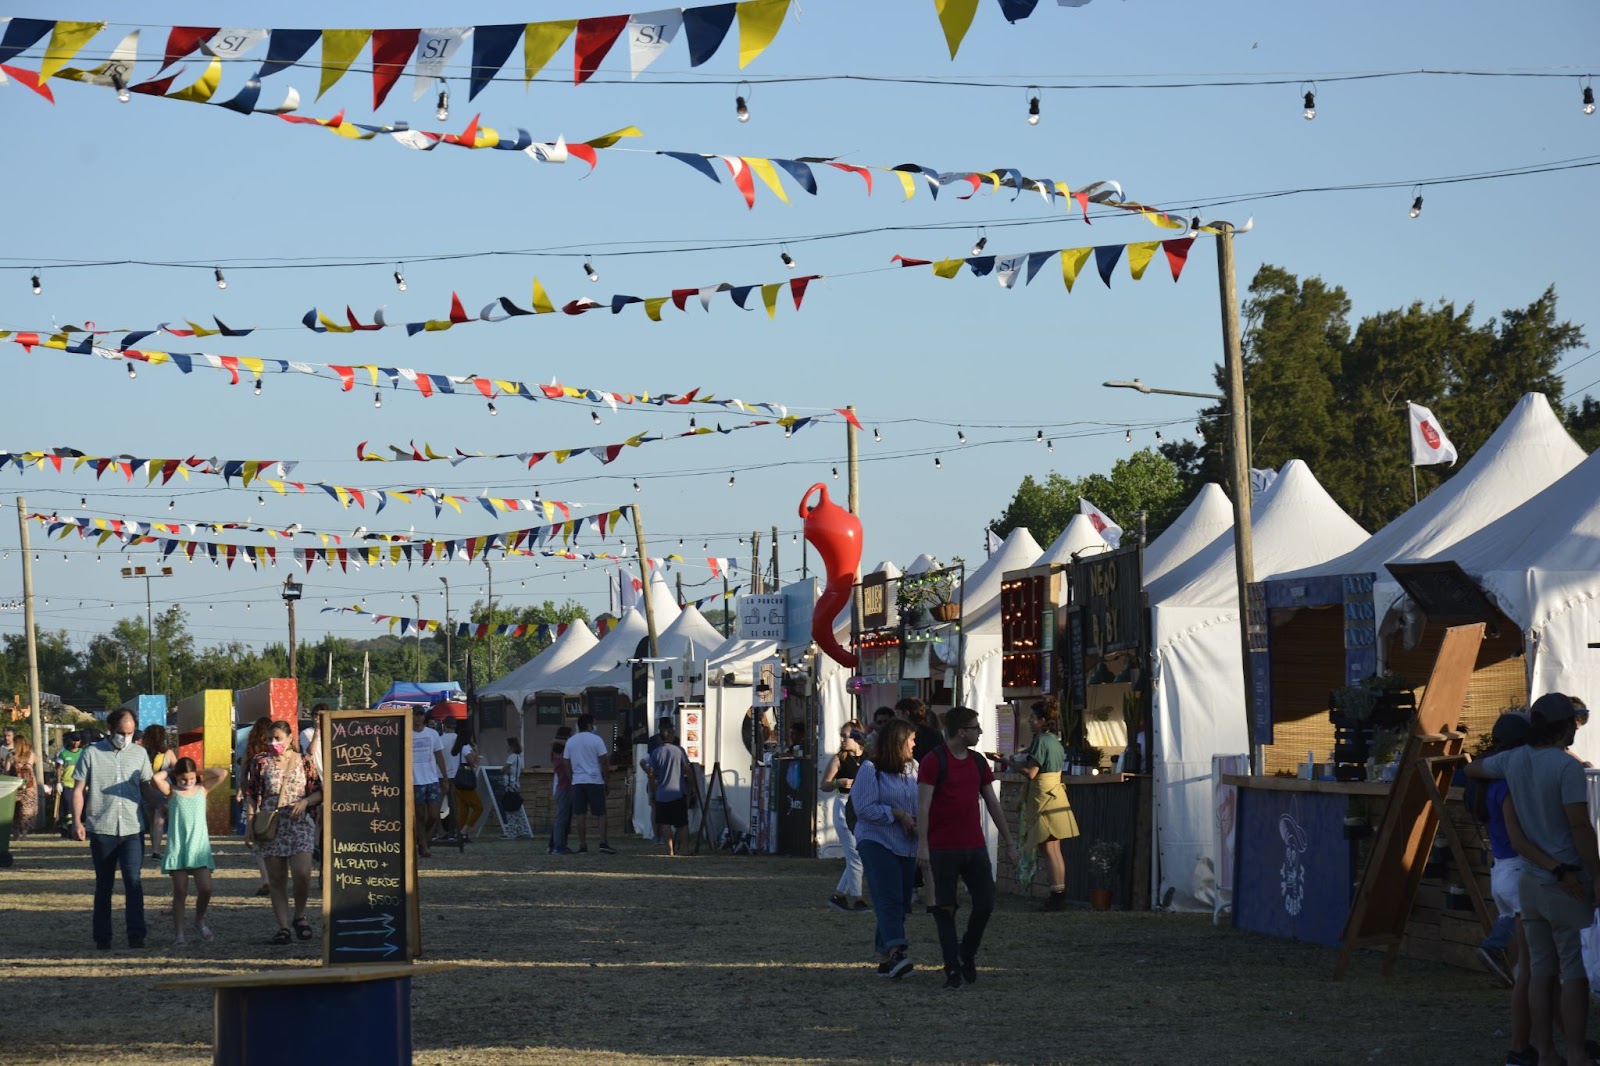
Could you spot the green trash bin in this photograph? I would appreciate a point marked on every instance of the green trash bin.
(8, 814)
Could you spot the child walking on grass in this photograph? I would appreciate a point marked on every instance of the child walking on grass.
(188, 841)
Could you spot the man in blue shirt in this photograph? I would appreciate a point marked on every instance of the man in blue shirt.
(674, 783)
(107, 812)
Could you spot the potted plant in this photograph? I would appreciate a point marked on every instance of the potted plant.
(928, 598)
(1105, 859)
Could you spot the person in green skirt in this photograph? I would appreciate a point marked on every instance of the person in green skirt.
(1047, 817)
(188, 839)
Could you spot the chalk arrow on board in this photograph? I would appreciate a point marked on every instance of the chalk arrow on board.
(386, 949)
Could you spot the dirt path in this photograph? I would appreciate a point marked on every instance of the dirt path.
(610, 960)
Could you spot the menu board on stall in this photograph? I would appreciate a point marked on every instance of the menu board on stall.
(369, 897)
(691, 731)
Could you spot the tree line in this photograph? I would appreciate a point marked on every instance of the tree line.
(1335, 396)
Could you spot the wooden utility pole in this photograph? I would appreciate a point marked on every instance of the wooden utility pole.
(680, 588)
(777, 579)
(36, 716)
(756, 587)
(644, 570)
(852, 462)
(1239, 454)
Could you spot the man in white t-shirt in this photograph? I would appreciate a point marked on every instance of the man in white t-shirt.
(428, 779)
(589, 756)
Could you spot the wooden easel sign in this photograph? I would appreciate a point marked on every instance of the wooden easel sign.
(369, 897)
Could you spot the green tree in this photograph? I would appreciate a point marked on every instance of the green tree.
(1145, 481)
(1583, 422)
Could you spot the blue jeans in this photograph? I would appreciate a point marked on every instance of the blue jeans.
(110, 853)
(889, 876)
(562, 824)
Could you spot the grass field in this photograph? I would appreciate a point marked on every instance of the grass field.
(608, 960)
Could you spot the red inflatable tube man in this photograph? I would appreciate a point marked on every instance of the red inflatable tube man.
(836, 534)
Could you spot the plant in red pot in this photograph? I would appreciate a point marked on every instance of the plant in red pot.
(1105, 859)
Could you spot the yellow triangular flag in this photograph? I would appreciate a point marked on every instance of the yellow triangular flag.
(540, 42)
(65, 40)
(339, 50)
(205, 88)
(759, 22)
(606, 140)
(763, 169)
(652, 307)
(948, 268)
(956, 17)
(1072, 260)
(541, 300)
(1139, 256)
(769, 297)
(908, 180)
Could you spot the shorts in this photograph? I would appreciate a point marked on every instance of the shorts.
(673, 812)
(1503, 880)
(1552, 922)
(427, 795)
(589, 799)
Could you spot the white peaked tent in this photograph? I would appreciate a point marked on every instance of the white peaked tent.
(1528, 452)
(529, 678)
(920, 565)
(1079, 539)
(689, 630)
(1540, 565)
(980, 596)
(606, 664)
(1208, 516)
(1197, 683)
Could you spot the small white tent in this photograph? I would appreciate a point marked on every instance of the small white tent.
(1077, 540)
(1197, 683)
(528, 678)
(1208, 516)
(1540, 565)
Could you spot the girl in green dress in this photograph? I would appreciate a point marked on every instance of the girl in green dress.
(188, 840)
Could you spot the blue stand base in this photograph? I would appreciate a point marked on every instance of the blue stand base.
(365, 1022)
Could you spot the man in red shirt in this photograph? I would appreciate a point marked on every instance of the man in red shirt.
(951, 782)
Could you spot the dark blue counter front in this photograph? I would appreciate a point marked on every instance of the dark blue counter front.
(1293, 869)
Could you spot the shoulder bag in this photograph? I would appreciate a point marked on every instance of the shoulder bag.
(466, 779)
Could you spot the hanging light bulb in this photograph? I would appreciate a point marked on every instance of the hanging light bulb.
(536, 497)
(1050, 446)
(170, 503)
(492, 409)
(222, 282)
(377, 399)
(121, 86)
(730, 481)
(258, 387)
(1416, 206)
(37, 288)
(691, 421)
(1158, 436)
(442, 110)
(741, 109)
(981, 243)
(1127, 435)
(1588, 99)
(595, 416)
(788, 260)
(399, 278)
(588, 268)
(836, 473)
(1038, 435)
(1033, 105)
(635, 484)
(261, 501)
(1311, 105)
(961, 436)
(133, 371)
(937, 464)
(83, 501)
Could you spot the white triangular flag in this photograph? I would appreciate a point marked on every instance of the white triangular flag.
(1109, 531)
(649, 34)
(1429, 445)
(1007, 267)
(231, 44)
(1261, 480)
(434, 49)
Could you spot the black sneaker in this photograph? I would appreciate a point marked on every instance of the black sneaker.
(969, 971)
(1055, 901)
(952, 981)
(898, 964)
(1494, 959)
(607, 849)
(839, 903)
(860, 906)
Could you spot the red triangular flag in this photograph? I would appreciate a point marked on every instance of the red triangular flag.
(594, 39)
(797, 287)
(1177, 251)
(457, 312)
(391, 50)
(185, 39)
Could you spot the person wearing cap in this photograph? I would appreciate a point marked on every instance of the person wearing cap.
(1556, 889)
(838, 777)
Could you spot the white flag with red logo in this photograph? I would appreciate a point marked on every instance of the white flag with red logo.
(1429, 445)
(1109, 531)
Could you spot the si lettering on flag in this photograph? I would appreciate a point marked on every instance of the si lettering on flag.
(1429, 445)
(1109, 531)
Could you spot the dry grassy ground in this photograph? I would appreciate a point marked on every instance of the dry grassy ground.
(609, 960)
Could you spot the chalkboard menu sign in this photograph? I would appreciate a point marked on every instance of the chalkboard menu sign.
(369, 900)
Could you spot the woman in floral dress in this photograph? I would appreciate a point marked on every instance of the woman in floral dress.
(281, 779)
(27, 793)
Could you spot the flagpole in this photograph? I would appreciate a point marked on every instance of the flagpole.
(1414, 496)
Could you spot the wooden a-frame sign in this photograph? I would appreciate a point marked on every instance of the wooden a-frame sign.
(1415, 813)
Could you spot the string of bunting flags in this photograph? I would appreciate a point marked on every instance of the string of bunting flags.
(1006, 268)
(429, 51)
(473, 135)
(524, 542)
(423, 382)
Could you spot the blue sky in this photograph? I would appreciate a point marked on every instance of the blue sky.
(165, 181)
